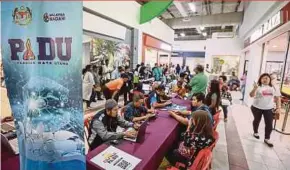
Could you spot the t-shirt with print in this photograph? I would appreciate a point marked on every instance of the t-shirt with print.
(131, 111)
(264, 98)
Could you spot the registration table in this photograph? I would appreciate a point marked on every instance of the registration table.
(161, 134)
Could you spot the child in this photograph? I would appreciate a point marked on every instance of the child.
(194, 140)
(226, 100)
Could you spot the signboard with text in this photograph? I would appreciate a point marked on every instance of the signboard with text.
(271, 24)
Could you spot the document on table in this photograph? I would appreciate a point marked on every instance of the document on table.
(176, 107)
(115, 159)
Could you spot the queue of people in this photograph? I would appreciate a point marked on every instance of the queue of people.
(141, 108)
(197, 124)
(101, 81)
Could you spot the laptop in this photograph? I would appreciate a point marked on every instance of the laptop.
(11, 144)
(5, 128)
(140, 134)
(146, 87)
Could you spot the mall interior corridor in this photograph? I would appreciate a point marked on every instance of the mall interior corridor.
(237, 149)
(144, 85)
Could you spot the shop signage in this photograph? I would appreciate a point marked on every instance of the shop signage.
(272, 23)
(155, 43)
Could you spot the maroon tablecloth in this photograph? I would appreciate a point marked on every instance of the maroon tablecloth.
(9, 161)
(164, 113)
(161, 134)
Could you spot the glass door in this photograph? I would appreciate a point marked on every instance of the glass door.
(282, 125)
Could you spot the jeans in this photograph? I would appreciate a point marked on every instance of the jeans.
(225, 110)
(243, 88)
(268, 118)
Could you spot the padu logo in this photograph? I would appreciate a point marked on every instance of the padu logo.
(23, 49)
(22, 16)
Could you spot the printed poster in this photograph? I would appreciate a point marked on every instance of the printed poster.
(41, 50)
(115, 159)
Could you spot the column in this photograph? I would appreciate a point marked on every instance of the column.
(135, 49)
(255, 61)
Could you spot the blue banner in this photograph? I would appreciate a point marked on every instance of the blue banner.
(41, 50)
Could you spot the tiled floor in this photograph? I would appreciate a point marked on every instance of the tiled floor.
(241, 150)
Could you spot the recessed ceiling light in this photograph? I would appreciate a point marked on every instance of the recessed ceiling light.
(192, 7)
(182, 34)
(186, 19)
(274, 46)
(204, 34)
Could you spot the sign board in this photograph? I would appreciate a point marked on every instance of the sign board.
(272, 23)
(115, 159)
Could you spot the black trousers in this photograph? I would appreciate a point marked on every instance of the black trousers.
(268, 118)
(93, 96)
(225, 110)
(108, 94)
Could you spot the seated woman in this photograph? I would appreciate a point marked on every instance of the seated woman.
(194, 141)
(213, 98)
(234, 82)
(197, 104)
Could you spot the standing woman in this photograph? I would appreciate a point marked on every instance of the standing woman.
(88, 84)
(213, 97)
(264, 94)
(187, 70)
(177, 70)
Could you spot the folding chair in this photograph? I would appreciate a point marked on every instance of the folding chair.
(87, 122)
(201, 162)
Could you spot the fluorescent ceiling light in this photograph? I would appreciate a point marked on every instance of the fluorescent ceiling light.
(186, 19)
(274, 46)
(204, 34)
(201, 28)
(192, 7)
(182, 34)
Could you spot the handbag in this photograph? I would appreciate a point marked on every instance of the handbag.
(276, 116)
(98, 88)
(186, 151)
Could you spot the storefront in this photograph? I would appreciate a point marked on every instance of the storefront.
(106, 40)
(268, 52)
(155, 51)
(188, 58)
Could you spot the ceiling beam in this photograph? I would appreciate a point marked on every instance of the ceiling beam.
(180, 8)
(205, 6)
(238, 4)
(209, 7)
(170, 13)
(222, 6)
(234, 18)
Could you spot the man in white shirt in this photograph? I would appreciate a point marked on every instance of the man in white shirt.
(106, 71)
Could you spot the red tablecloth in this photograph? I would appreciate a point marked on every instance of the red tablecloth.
(161, 134)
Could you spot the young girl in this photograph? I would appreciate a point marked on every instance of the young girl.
(194, 141)
(226, 100)
(213, 98)
(264, 94)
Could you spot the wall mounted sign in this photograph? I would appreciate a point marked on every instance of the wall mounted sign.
(150, 41)
(272, 23)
